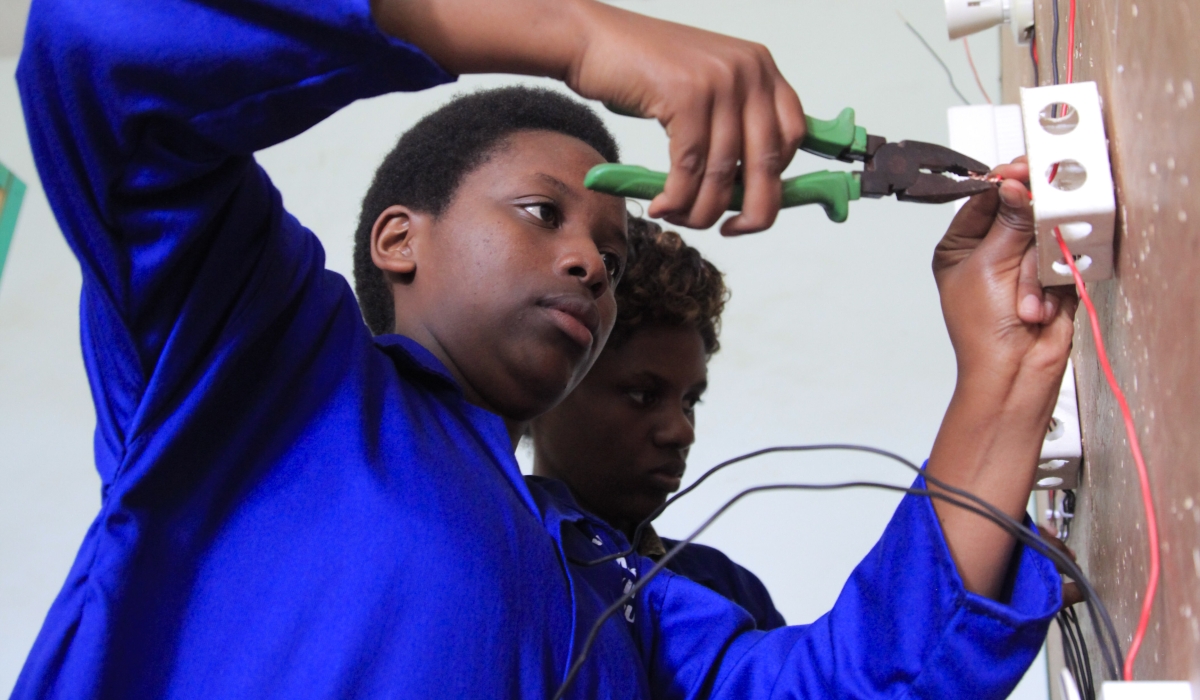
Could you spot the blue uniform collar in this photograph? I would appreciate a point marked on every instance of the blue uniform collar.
(413, 358)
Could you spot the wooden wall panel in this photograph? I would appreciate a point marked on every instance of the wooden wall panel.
(1145, 57)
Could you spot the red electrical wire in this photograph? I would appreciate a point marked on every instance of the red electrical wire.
(1134, 447)
(1143, 478)
(975, 72)
(1071, 43)
(1070, 62)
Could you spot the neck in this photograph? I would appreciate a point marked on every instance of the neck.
(430, 343)
(541, 468)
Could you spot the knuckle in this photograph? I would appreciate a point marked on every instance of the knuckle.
(722, 171)
(691, 162)
(769, 163)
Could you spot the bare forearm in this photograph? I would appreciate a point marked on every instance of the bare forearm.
(989, 444)
(529, 37)
(721, 100)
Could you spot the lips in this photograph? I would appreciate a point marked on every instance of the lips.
(667, 477)
(576, 316)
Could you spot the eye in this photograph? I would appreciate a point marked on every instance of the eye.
(545, 212)
(642, 397)
(613, 265)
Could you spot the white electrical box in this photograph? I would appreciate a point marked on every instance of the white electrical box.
(1071, 180)
(1146, 690)
(1062, 449)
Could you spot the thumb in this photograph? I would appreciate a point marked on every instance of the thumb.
(1012, 231)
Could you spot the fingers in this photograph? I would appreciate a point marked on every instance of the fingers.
(1071, 594)
(760, 170)
(721, 172)
(1062, 324)
(749, 121)
(967, 229)
(1017, 170)
(1031, 306)
(689, 134)
(792, 125)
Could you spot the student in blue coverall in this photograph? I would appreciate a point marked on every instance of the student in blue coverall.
(292, 507)
(620, 441)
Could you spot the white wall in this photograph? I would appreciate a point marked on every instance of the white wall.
(834, 332)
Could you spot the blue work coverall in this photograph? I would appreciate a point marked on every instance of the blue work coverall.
(292, 508)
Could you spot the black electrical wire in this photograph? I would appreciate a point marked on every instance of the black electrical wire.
(1054, 43)
(937, 58)
(1086, 681)
(1033, 55)
(1069, 650)
(1096, 609)
(1075, 656)
(638, 532)
(1068, 512)
(1013, 527)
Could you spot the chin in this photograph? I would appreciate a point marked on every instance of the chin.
(534, 394)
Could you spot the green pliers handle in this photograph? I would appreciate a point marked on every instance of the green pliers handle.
(834, 138)
(837, 138)
(832, 190)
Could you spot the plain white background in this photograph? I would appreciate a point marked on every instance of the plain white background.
(833, 334)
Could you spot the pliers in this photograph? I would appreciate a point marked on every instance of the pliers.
(912, 170)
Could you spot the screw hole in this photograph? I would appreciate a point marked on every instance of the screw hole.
(1058, 118)
(1066, 175)
(1050, 482)
(1052, 465)
(1075, 231)
(1055, 430)
(1082, 262)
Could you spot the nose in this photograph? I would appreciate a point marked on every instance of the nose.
(677, 430)
(582, 261)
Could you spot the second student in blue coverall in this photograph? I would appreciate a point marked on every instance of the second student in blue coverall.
(292, 507)
(620, 441)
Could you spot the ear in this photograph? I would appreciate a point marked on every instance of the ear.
(395, 239)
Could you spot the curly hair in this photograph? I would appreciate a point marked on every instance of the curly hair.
(667, 283)
(431, 159)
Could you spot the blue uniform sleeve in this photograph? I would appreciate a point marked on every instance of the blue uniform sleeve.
(710, 568)
(903, 626)
(143, 118)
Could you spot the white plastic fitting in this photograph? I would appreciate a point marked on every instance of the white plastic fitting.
(1064, 138)
(1062, 448)
(1068, 686)
(965, 17)
(990, 134)
(1146, 690)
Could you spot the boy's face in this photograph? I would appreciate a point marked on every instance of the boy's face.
(512, 286)
(621, 439)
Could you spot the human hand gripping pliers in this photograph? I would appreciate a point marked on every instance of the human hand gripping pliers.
(912, 170)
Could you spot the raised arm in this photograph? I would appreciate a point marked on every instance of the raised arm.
(1012, 340)
(721, 100)
(143, 118)
(945, 605)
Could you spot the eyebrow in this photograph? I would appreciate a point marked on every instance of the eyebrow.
(651, 375)
(555, 183)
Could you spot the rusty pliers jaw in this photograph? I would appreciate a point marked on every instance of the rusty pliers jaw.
(915, 171)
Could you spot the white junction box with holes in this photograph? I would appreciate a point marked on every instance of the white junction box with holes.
(1146, 690)
(1071, 180)
(1062, 449)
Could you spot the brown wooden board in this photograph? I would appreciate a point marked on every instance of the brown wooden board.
(1145, 58)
